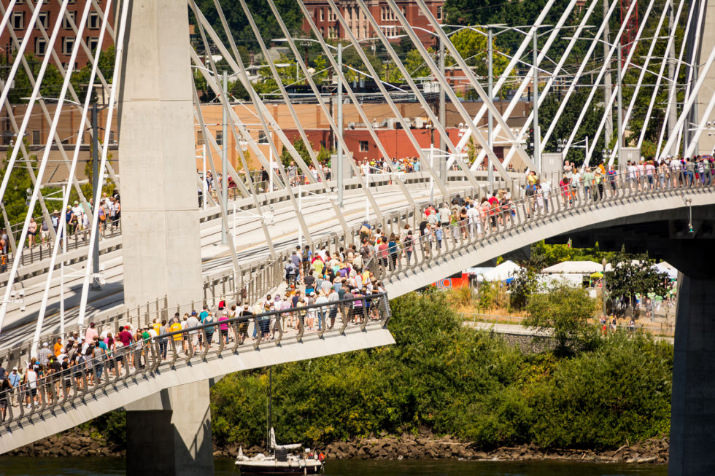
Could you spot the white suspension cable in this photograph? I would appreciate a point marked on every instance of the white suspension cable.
(579, 73)
(556, 32)
(618, 89)
(641, 76)
(100, 181)
(41, 170)
(526, 43)
(475, 84)
(659, 78)
(682, 120)
(65, 198)
(691, 19)
(701, 126)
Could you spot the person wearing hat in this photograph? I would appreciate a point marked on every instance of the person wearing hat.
(245, 314)
(15, 378)
(44, 354)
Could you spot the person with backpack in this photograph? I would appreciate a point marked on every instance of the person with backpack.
(290, 272)
(208, 321)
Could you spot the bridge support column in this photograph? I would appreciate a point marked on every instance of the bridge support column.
(170, 432)
(160, 212)
(692, 427)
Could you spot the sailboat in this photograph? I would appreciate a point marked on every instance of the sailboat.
(281, 459)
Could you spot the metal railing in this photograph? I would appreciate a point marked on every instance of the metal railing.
(80, 239)
(80, 376)
(563, 198)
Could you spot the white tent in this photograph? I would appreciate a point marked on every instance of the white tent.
(667, 268)
(576, 267)
(508, 269)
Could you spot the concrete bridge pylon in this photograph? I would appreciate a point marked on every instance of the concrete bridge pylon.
(160, 219)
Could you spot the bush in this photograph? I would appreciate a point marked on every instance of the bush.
(453, 380)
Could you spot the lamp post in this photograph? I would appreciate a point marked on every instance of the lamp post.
(535, 107)
(339, 167)
(224, 157)
(603, 286)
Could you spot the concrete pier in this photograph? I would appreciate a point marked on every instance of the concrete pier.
(160, 217)
(170, 432)
(692, 439)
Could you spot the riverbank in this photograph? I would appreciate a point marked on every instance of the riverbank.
(83, 443)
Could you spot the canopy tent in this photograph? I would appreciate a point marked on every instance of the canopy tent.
(576, 267)
(503, 272)
(667, 268)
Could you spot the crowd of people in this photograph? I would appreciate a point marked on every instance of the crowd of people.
(95, 356)
(77, 222)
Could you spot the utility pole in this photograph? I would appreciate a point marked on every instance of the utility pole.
(490, 92)
(537, 134)
(97, 196)
(340, 165)
(224, 158)
(619, 142)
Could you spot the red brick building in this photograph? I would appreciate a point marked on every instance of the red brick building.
(49, 15)
(331, 29)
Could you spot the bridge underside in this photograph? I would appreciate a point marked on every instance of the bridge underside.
(688, 242)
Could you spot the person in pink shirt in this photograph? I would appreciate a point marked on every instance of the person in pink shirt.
(91, 333)
(223, 326)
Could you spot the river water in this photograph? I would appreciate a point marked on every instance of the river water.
(17, 466)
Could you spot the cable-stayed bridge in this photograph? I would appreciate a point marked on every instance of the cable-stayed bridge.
(174, 254)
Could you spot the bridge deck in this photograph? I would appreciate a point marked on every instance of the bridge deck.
(75, 396)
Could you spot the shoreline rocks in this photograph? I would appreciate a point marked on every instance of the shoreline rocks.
(80, 442)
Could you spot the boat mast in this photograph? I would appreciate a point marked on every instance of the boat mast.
(269, 420)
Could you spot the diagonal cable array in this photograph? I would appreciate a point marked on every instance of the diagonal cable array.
(580, 69)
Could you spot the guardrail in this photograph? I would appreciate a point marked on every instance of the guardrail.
(83, 375)
(500, 220)
(239, 204)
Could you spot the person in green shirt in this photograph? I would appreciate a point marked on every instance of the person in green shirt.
(587, 183)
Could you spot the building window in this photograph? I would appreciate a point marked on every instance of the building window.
(262, 138)
(322, 14)
(14, 48)
(92, 43)
(67, 45)
(66, 20)
(35, 137)
(112, 139)
(219, 137)
(43, 19)
(18, 21)
(364, 146)
(439, 12)
(93, 22)
(40, 46)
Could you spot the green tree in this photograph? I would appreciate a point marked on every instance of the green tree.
(300, 147)
(263, 16)
(634, 274)
(564, 309)
(16, 195)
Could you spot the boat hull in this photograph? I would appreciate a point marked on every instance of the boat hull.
(257, 468)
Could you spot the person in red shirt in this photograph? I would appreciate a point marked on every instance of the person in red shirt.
(493, 207)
